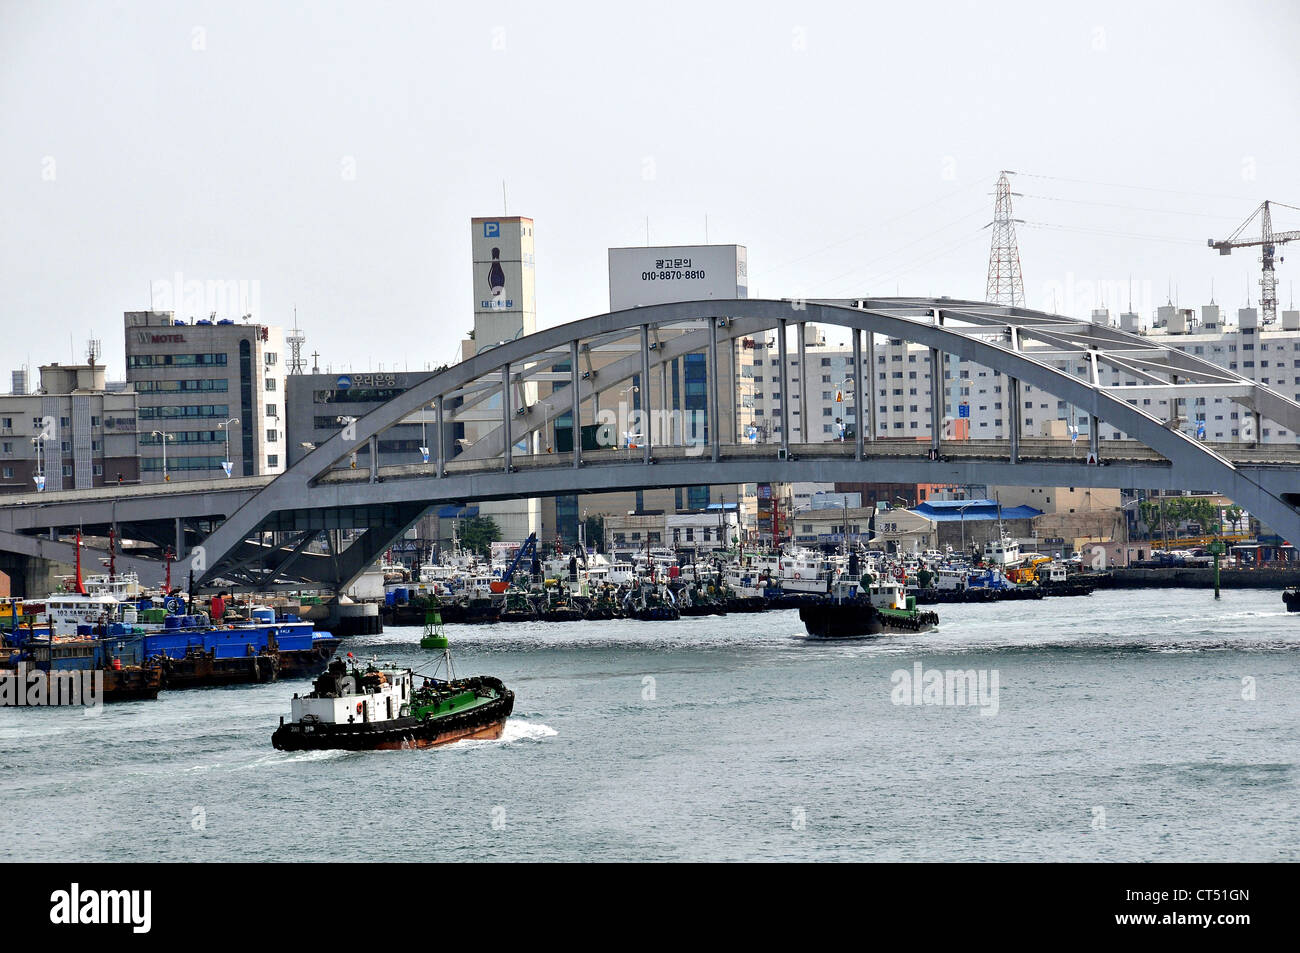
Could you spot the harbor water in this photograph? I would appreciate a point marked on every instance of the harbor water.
(1125, 726)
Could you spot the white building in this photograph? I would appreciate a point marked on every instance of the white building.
(900, 384)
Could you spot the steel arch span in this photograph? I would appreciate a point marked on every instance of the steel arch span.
(321, 492)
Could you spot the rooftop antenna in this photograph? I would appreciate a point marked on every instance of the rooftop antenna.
(151, 296)
(504, 206)
(647, 231)
(706, 228)
(1211, 291)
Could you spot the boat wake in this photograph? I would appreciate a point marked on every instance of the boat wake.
(516, 730)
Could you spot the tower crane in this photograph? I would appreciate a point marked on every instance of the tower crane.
(1268, 242)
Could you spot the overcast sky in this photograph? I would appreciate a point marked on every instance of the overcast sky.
(330, 155)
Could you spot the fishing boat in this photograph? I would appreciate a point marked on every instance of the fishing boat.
(380, 707)
(518, 606)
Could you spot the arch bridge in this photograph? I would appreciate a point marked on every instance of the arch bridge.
(513, 393)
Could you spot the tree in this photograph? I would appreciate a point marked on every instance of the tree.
(594, 527)
(478, 533)
(1233, 515)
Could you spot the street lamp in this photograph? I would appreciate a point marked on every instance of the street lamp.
(1128, 559)
(225, 464)
(546, 433)
(39, 443)
(961, 511)
(424, 440)
(163, 436)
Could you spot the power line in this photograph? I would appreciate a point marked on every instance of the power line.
(1132, 208)
(1112, 233)
(861, 267)
(1141, 188)
(876, 227)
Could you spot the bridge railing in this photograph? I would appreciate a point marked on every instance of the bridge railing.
(1033, 449)
(136, 490)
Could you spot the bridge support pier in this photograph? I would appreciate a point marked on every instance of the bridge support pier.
(803, 385)
(869, 386)
(715, 418)
(506, 414)
(784, 374)
(575, 404)
(442, 448)
(646, 403)
(1013, 418)
(936, 401)
(861, 382)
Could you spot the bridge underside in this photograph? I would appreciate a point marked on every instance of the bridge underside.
(380, 512)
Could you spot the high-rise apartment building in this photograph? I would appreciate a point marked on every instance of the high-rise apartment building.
(214, 390)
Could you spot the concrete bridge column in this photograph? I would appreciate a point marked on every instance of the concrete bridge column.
(936, 399)
(665, 403)
(870, 386)
(1013, 419)
(1094, 423)
(733, 377)
(715, 418)
(803, 386)
(647, 404)
(861, 382)
(442, 449)
(505, 417)
(785, 387)
(575, 404)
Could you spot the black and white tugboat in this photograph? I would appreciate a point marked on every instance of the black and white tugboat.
(883, 610)
(380, 707)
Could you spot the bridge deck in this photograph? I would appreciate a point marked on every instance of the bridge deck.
(1032, 449)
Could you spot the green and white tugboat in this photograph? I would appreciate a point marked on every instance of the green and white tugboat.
(380, 707)
(882, 609)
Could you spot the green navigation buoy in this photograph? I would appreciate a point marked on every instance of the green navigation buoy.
(433, 635)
